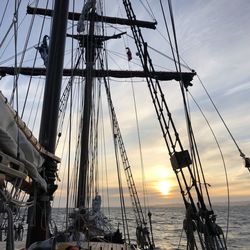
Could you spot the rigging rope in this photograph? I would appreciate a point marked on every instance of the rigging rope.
(18, 54)
(96, 139)
(241, 153)
(11, 25)
(33, 102)
(142, 231)
(138, 137)
(16, 76)
(222, 158)
(4, 12)
(122, 201)
(197, 161)
(62, 156)
(193, 155)
(119, 142)
(222, 119)
(194, 148)
(179, 70)
(70, 127)
(9, 42)
(25, 50)
(149, 9)
(168, 33)
(198, 212)
(38, 107)
(140, 148)
(106, 169)
(153, 49)
(184, 64)
(75, 165)
(105, 158)
(217, 240)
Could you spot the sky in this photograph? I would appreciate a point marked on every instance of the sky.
(213, 39)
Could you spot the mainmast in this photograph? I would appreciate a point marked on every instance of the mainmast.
(39, 215)
(84, 158)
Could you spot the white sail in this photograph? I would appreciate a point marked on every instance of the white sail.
(13, 142)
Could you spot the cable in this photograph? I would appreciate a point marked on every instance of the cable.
(25, 50)
(18, 54)
(155, 50)
(150, 11)
(189, 126)
(168, 33)
(223, 121)
(70, 129)
(139, 139)
(9, 42)
(223, 161)
(185, 65)
(4, 12)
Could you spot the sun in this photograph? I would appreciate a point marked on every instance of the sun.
(164, 187)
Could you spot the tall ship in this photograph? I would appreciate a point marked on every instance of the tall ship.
(69, 73)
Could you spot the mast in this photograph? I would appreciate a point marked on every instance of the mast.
(39, 215)
(84, 158)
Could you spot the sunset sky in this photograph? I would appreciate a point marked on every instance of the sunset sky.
(213, 39)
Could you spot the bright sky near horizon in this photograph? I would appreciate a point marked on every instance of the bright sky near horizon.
(213, 38)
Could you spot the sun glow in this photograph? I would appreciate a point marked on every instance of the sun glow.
(161, 179)
(164, 187)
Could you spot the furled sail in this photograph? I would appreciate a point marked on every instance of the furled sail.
(13, 142)
(85, 10)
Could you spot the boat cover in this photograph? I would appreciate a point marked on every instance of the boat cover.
(12, 139)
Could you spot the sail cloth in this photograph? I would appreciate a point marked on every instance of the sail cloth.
(85, 10)
(13, 141)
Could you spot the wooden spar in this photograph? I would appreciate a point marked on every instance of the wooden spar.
(95, 17)
(160, 75)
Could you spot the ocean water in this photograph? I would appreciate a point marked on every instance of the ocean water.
(167, 225)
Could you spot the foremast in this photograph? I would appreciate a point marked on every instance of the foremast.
(39, 215)
(200, 217)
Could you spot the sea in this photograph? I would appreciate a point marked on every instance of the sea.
(167, 225)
